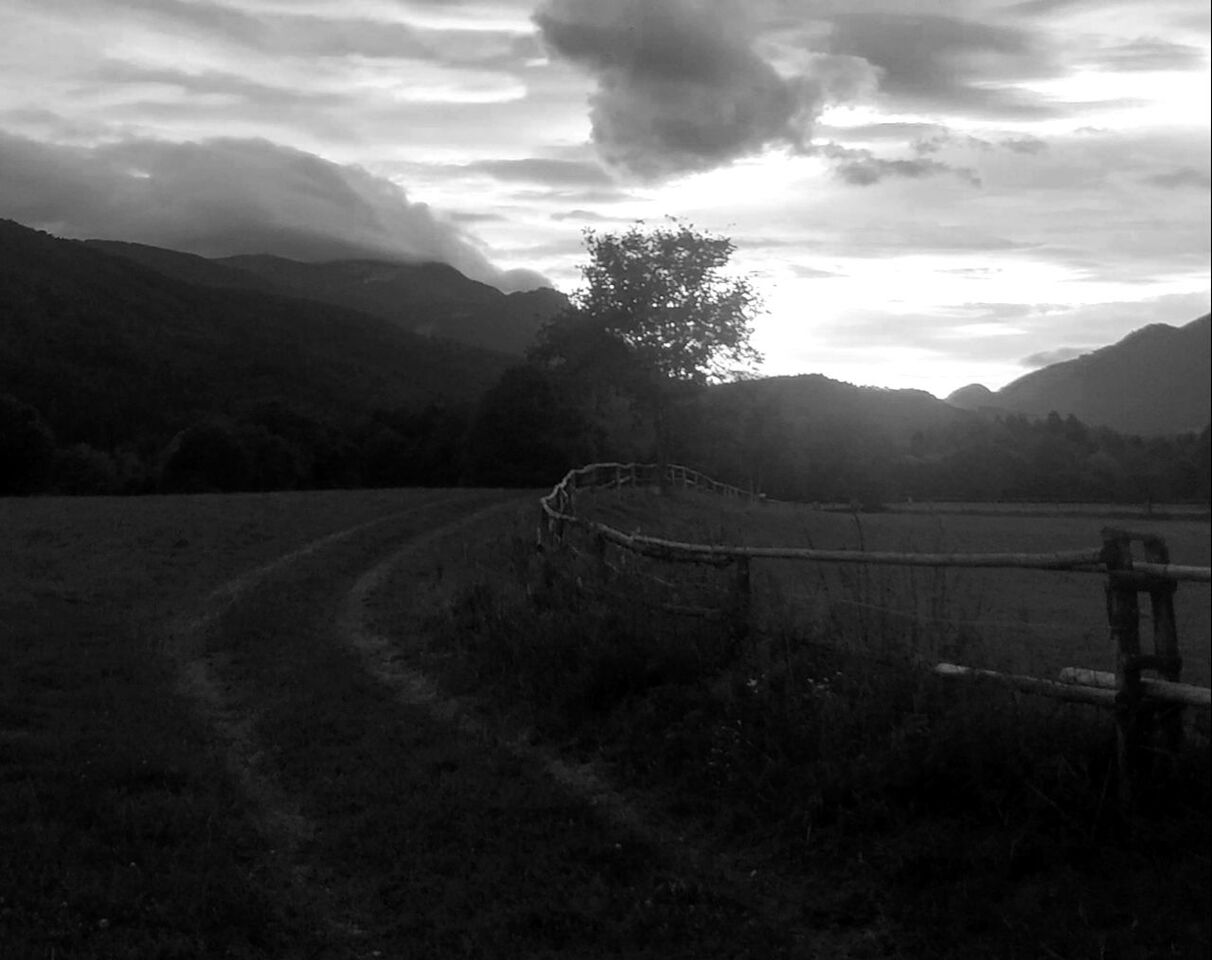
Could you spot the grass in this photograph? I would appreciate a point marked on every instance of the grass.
(808, 791)
(939, 820)
(1035, 621)
(122, 831)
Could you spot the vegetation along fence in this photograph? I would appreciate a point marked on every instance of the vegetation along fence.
(1144, 706)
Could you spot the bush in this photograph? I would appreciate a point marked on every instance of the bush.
(84, 470)
(27, 448)
(206, 458)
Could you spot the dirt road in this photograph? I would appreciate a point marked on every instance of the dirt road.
(399, 824)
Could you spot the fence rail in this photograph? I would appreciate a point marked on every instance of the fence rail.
(1136, 699)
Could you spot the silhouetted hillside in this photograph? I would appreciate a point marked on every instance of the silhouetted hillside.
(1155, 381)
(810, 437)
(428, 299)
(110, 351)
(431, 299)
(184, 266)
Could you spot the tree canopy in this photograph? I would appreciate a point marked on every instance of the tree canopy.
(665, 297)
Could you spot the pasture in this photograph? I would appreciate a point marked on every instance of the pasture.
(197, 761)
(1019, 620)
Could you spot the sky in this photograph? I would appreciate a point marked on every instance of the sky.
(925, 193)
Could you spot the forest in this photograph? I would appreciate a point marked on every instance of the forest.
(530, 427)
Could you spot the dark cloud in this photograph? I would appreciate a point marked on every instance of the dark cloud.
(227, 196)
(680, 85)
(862, 168)
(936, 62)
(1047, 357)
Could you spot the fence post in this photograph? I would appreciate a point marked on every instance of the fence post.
(1167, 661)
(1123, 619)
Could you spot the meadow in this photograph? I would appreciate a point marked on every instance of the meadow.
(1020, 620)
(803, 791)
(922, 817)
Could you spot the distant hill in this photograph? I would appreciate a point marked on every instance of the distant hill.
(1155, 381)
(814, 401)
(810, 437)
(429, 299)
(118, 343)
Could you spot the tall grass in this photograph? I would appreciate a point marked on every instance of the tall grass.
(817, 736)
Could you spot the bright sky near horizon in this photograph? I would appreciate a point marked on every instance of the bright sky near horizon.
(927, 193)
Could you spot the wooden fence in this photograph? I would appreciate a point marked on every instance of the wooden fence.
(1143, 705)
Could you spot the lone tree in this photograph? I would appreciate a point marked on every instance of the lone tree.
(656, 312)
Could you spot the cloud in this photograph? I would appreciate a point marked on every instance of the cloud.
(1182, 178)
(862, 168)
(1048, 357)
(680, 85)
(562, 173)
(227, 196)
(936, 62)
(1027, 145)
(1145, 54)
(585, 216)
(805, 272)
(382, 33)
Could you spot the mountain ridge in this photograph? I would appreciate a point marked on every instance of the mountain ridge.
(111, 351)
(427, 298)
(1156, 380)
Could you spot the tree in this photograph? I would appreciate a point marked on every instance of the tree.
(522, 435)
(657, 312)
(27, 448)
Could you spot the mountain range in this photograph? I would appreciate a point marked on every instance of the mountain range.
(1155, 381)
(428, 299)
(131, 348)
(125, 345)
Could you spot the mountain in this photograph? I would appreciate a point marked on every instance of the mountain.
(1155, 381)
(975, 396)
(811, 438)
(120, 344)
(429, 299)
(816, 402)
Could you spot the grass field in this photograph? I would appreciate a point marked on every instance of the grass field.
(124, 832)
(1033, 621)
(196, 760)
(925, 819)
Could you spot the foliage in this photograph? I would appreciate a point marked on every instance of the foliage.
(27, 447)
(657, 309)
(664, 295)
(524, 434)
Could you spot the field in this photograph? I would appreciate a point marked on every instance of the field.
(1032, 621)
(379, 724)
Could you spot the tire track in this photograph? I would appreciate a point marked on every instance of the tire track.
(685, 853)
(278, 814)
(213, 686)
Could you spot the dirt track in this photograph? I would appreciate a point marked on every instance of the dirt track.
(400, 823)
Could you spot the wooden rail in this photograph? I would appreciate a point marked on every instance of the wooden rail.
(1143, 706)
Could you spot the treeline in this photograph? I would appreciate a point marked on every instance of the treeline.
(518, 434)
(974, 459)
(533, 425)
